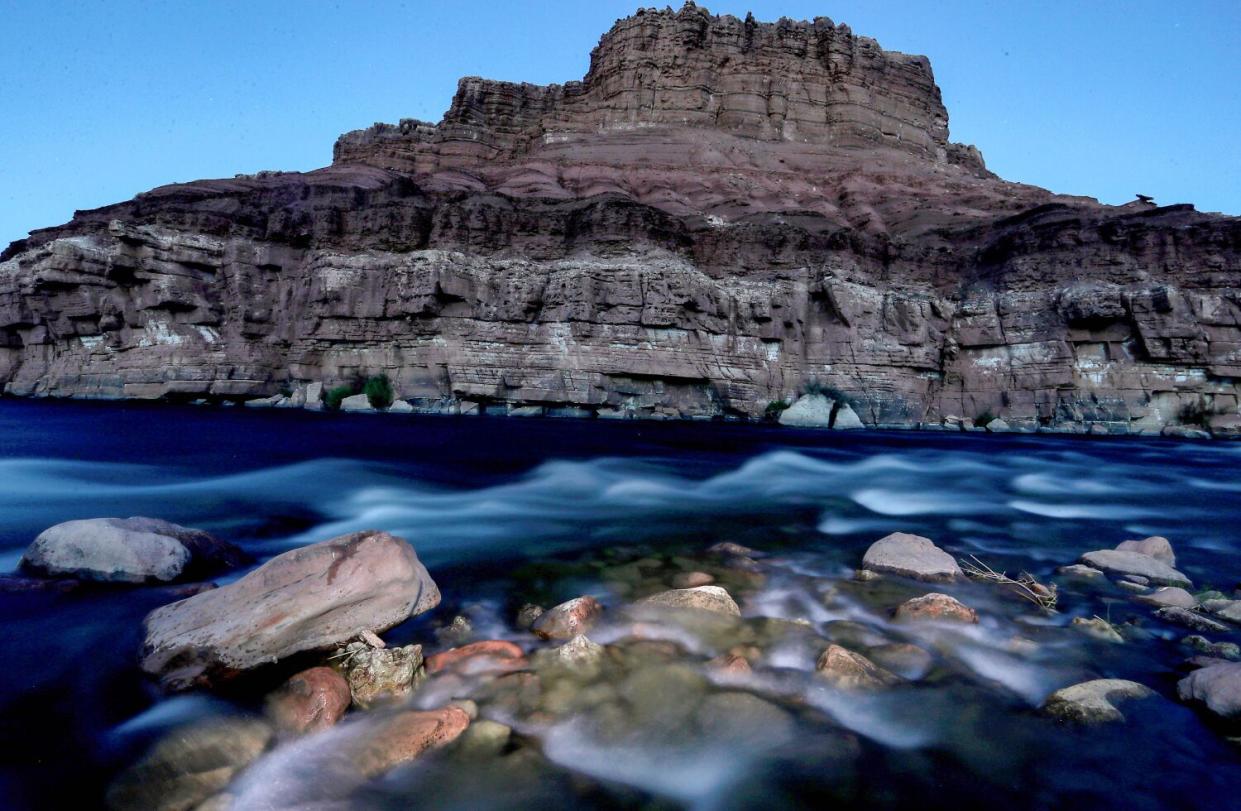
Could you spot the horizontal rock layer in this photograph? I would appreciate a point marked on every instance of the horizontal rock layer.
(625, 246)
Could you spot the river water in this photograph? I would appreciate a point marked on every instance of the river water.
(487, 501)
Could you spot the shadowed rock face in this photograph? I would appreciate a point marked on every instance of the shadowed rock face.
(720, 212)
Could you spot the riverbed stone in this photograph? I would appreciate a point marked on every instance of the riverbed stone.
(128, 550)
(487, 656)
(937, 607)
(739, 718)
(1169, 596)
(312, 598)
(379, 674)
(808, 411)
(406, 736)
(190, 765)
(1080, 572)
(1098, 628)
(847, 670)
(526, 616)
(911, 556)
(689, 580)
(1191, 619)
(700, 598)
(1225, 609)
(312, 700)
(1223, 650)
(1094, 702)
(568, 619)
(1218, 686)
(1157, 546)
(903, 659)
(1122, 562)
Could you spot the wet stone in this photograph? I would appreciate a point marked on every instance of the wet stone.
(1191, 620)
(1098, 628)
(1094, 702)
(568, 619)
(846, 670)
(936, 607)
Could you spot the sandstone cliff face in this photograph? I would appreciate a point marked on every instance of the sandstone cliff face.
(720, 214)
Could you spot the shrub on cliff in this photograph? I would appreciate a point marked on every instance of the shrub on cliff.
(379, 392)
(815, 386)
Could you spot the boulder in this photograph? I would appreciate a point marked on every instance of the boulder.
(478, 657)
(1094, 702)
(190, 765)
(379, 674)
(405, 736)
(1156, 546)
(312, 700)
(400, 407)
(356, 402)
(809, 411)
(902, 658)
(1169, 596)
(847, 419)
(128, 550)
(1225, 609)
(568, 619)
(1081, 572)
(1118, 563)
(312, 598)
(910, 556)
(1098, 628)
(846, 670)
(1218, 686)
(485, 739)
(578, 653)
(700, 598)
(937, 607)
(689, 580)
(1190, 619)
(526, 616)
(997, 426)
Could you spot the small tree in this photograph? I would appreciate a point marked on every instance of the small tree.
(335, 395)
(379, 392)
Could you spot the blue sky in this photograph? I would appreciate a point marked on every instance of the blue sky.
(102, 100)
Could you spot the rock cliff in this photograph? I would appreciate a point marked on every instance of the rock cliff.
(722, 215)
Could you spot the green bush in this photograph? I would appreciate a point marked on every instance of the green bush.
(774, 408)
(379, 392)
(816, 386)
(334, 395)
(983, 419)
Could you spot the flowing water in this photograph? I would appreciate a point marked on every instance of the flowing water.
(504, 510)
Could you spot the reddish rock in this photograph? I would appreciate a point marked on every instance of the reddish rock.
(730, 664)
(486, 656)
(937, 607)
(568, 619)
(312, 700)
(406, 736)
(847, 670)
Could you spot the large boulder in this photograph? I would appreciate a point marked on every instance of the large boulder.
(910, 556)
(810, 411)
(1169, 596)
(1120, 562)
(128, 550)
(312, 598)
(1217, 686)
(1094, 702)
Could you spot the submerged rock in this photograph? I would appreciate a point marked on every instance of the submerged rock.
(1217, 686)
(1225, 609)
(490, 655)
(526, 616)
(1223, 650)
(936, 606)
(1081, 572)
(1098, 628)
(1156, 546)
(1093, 702)
(312, 700)
(700, 598)
(312, 598)
(190, 765)
(1120, 563)
(846, 670)
(128, 550)
(743, 719)
(1191, 620)
(910, 556)
(578, 653)
(405, 736)
(568, 619)
(689, 580)
(902, 658)
(380, 674)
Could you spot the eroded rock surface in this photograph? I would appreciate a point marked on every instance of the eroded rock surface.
(719, 214)
(310, 598)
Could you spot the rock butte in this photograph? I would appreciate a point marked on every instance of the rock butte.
(719, 214)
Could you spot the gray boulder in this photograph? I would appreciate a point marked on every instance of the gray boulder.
(128, 550)
(356, 402)
(1094, 702)
(312, 598)
(700, 598)
(847, 419)
(1169, 596)
(1119, 562)
(810, 411)
(1190, 619)
(910, 556)
(1217, 686)
(1157, 546)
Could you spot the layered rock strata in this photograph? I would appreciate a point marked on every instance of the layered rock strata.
(721, 216)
